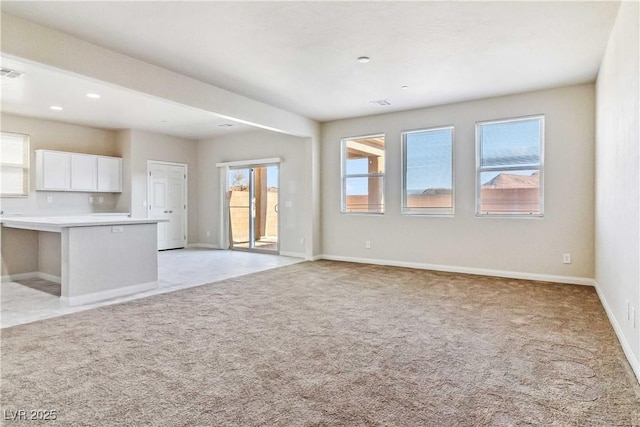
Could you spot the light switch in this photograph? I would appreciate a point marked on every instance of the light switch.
(117, 229)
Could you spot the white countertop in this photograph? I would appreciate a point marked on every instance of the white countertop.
(57, 223)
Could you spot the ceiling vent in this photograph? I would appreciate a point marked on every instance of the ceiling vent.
(380, 103)
(12, 74)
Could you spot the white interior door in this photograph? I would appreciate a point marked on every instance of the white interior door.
(167, 199)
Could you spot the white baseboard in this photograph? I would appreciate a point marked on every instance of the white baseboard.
(49, 277)
(626, 347)
(109, 294)
(469, 270)
(31, 275)
(203, 245)
(20, 276)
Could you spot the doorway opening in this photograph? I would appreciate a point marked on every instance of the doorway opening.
(252, 194)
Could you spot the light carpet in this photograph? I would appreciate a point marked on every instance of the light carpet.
(328, 343)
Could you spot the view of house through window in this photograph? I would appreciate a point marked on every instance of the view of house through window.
(510, 166)
(14, 164)
(363, 174)
(428, 171)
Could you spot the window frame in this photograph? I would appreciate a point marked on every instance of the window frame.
(539, 167)
(25, 165)
(344, 176)
(430, 212)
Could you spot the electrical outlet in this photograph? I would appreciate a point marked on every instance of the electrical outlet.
(90, 200)
(100, 200)
(208, 233)
(628, 310)
(367, 244)
(49, 199)
(302, 240)
(633, 317)
(566, 258)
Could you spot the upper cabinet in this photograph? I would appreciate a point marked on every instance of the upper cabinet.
(53, 170)
(84, 172)
(109, 174)
(62, 171)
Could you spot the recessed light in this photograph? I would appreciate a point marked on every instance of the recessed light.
(404, 87)
(56, 107)
(363, 59)
(93, 95)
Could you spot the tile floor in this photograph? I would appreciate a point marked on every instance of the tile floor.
(29, 300)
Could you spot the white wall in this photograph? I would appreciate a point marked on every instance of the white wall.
(465, 242)
(49, 135)
(617, 179)
(33, 42)
(137, 147)
(251, 146)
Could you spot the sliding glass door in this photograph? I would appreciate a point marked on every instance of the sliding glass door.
(252, 194)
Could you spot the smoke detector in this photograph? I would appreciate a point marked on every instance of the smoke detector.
(12, 74)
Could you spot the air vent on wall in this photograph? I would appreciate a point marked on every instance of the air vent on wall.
(380, 103)
(12, 74)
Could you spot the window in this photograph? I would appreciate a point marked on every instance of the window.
(363, 174)
(510, 166)
(14, 164)
(427, 157)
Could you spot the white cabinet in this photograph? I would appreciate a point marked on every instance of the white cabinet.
(84, 172)
(53, 170)
(62, 171)
(109, 174)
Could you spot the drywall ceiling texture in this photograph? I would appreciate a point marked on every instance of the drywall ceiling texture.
(466, 242)
(617, 178)
(116, 108)
(26, 41)
(301, 56)
(294, 203)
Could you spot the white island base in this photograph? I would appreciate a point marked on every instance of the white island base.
(101, 257)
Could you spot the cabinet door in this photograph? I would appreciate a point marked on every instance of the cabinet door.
(109, 174)
(84, 172)
(55, 170)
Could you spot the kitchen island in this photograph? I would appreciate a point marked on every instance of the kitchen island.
(101, 256)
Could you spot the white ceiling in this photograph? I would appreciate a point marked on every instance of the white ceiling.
(41, 87)
(301, 56)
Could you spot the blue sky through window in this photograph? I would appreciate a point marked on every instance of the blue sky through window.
(429, 160)
(515, 143)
